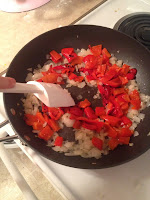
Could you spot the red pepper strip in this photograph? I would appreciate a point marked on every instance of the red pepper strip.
(124, 70)
(96, 50)
(77, 60)
(79, 79)
(126, 121)
(133, 71)
(98, 143)
(46, 133)
(100, 60)
(115, 67)
(112, 132)
(125, 106)
(90, 61)
(113, 121)
(105, 52)
(130, 76)
(116, 82)
(90, 78)
(135, 99)
(108, 76)
(98, 124)
(58, 141)
(60, 67)
(69, 54)
(46, 118)
(72, 76)
(54, 125)
(50, 78)
(84, 104)
(124, 80)
(101, 69)
(56, 57)
(77, 124)
(44, 108)
(123, 140)
(40, 117)
(125, 132)
(37, 126)
(113, 143)
(105, 59)
(109, 108)
(75, 111)
(30, 119)
(117, 91)
(99, 111)
(89, 126)
(90, 113)
(55, 113)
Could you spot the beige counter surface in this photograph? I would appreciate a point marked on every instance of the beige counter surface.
(17, 29)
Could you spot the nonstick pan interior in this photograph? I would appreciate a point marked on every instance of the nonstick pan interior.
(80, 36)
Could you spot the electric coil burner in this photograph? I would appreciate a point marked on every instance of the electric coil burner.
(137, 26)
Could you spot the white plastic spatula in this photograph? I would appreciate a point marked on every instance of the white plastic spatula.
(51, 95)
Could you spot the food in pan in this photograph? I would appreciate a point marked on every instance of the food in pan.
(97, 129)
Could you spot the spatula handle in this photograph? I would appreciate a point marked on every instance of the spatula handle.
(22, 88)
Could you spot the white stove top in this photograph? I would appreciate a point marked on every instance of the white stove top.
(129, 181)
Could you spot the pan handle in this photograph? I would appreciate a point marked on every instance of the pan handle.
(9, 138)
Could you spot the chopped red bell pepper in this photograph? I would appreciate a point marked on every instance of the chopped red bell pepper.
(60, 67)
(79, 79)
(135, 99)
(46, 118)
(99, 111)
(133, 71)
(72, 76)
(30, 119)
(123, 140)
(116, 82)
(90, 61)
(39, 80)
(89, 112)
(98, 143)
(58, 141)
(124, 80)
(124, 70)
(109, 108)
(84, 104)
(69, 54)
(101, 70)
(40, 117)
(117, 91)
(130, 76)
(37, 126)
(112, 132)
(56, 57)
(89, 126)
(113, 143)
(54, 125)
(96, 50)
(77, 124)
(126, 121)
(77, 60)
(108, 76)
(44, 108)
(105, 52)
(113, 121)
(55, 113)
(124, 106)
(89, 78)
(76, 111)
(125, 132)
(50, 78)
(46, 133)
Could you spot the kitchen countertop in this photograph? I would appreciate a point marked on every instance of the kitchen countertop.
(17, 29)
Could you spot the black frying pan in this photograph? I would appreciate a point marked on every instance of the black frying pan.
(80, 36)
